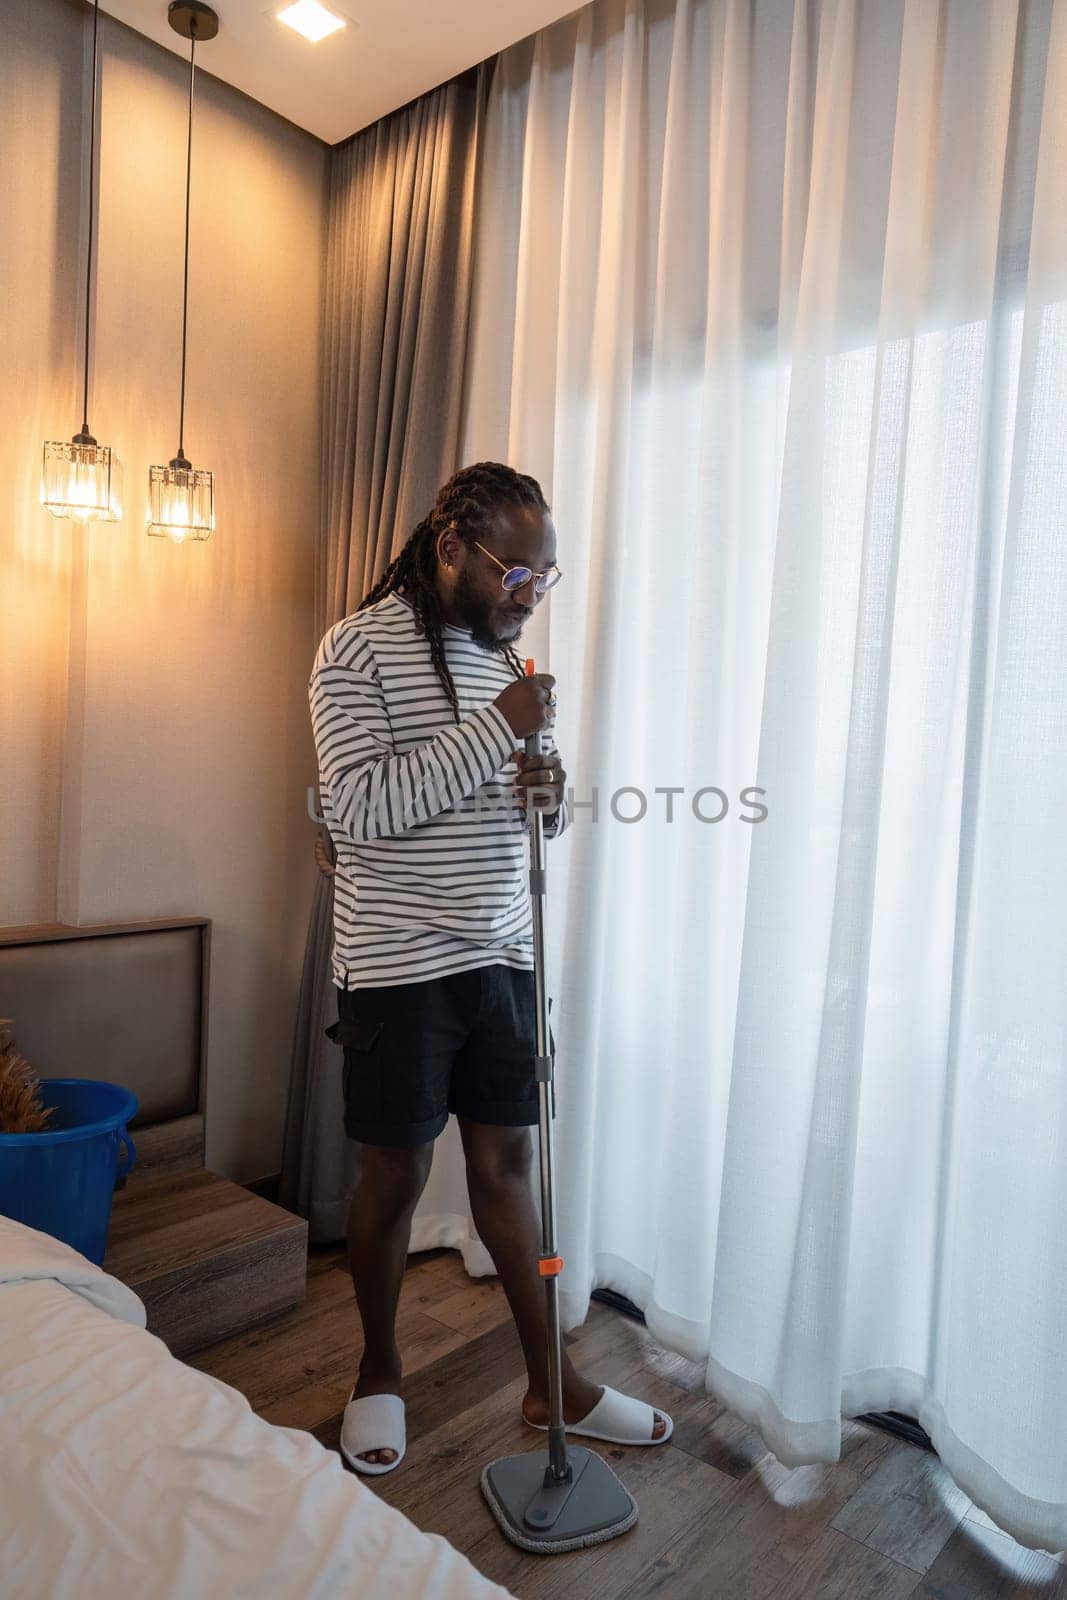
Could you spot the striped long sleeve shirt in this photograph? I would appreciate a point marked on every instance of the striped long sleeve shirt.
(432, 846)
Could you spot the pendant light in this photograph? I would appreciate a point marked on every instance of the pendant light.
(182, 497)
(81, 479)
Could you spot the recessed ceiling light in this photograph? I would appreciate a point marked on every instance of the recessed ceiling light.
(311, 20)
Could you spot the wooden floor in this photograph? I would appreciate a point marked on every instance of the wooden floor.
(719, 1515)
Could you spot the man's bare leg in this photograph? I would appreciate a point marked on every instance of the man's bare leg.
(390, 1182)
(500, 1182)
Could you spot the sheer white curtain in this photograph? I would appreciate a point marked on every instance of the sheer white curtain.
(773, 298)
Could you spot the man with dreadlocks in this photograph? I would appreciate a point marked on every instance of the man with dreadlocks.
(420, 707)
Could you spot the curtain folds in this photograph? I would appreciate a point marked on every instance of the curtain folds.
(772, 297)
(398, 285)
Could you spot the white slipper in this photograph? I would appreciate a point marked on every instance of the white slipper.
(374, 1422)
(617, 1419)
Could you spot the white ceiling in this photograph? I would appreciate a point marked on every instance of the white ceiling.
(390, 52)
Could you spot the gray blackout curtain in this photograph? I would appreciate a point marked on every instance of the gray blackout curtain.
(397, 302)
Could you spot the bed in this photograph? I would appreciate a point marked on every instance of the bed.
(124, 1471)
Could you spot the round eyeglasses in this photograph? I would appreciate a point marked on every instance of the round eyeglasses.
(518, 577)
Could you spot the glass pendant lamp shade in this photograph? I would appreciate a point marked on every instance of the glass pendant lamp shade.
(81, 480)
(181, 498)
(181, 501)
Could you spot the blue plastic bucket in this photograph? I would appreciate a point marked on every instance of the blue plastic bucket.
(61, 1180)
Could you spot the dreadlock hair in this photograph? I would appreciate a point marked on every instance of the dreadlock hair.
(467, 503)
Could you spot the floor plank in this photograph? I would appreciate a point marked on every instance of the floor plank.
(440, 1392)
(473, 1309)
(298, 1370)
(979, 1563)
(774, 1517)
(835, 1567)
(907, 1508)
(720, 1517)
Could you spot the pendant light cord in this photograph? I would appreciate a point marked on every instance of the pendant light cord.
(188, 185)
(89, 253)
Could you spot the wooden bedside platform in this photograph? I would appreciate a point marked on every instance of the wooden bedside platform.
(207, 1257)
(128, 1003)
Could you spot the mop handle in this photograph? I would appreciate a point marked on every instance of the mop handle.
(534, 819)
(550, 1262)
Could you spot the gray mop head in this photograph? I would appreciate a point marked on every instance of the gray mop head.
(570, 1534)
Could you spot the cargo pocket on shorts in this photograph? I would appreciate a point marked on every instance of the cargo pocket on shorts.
(361, 1075)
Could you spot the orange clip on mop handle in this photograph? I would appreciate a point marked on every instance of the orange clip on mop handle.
(532, 743)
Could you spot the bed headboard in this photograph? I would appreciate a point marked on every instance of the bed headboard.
(126, 1002)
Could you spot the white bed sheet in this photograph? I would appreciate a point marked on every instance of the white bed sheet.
(124, 1471)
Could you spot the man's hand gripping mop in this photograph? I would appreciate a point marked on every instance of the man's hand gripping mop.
(559, 1499)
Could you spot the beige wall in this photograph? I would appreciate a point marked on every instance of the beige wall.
(153, 713)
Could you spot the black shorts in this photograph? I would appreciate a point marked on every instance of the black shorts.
(413, 1052)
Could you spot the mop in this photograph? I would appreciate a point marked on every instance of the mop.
(559, 1499)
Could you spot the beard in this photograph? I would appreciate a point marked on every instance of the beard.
(477, 614)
